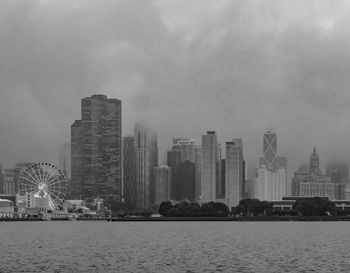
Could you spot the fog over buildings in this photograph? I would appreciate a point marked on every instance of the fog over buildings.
(234, 67)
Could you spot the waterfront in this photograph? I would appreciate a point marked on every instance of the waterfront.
(174, 246)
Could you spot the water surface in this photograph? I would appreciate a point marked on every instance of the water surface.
(175, 246)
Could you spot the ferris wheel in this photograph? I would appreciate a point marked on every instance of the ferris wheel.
(44, 180)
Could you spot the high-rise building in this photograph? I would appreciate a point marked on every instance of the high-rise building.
(198, 170)
(185, 187)
(301, 175)
(173, 161)
(146, 159)
(234, 172)
(220, 193)
(269, 148)
(186, 147)
(75, 187)
(270, 184)
(129, 172)
(162, 184)
(100, 167)
(208, 169)
(314, 164)
(271, 176)
(65, 159)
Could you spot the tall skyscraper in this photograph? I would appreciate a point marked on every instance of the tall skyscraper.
(162, 184)
(234, 172)
(186, 148)
(271, 176)
(173, 161)
(220, 192)
(198, 170)
(186, 183)
(129, 172)
(75, 187)
(314, 163)
(65, 159)
(269, 148)
(208, 170)
(100, 149)
(146, 159)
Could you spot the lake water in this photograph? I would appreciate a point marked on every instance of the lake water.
(174, 246)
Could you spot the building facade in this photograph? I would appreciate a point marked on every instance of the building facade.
(162, 184)
(234, 172)
(129, 172)
(146, 159)
(96, 146)
(208, 169)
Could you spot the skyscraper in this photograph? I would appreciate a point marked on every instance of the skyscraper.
(1, 180)
(314, 163)
(198, 170)
(100, 149)
(162, 184)
(220, 191)
(75, 190)
(186, 148)
(234, 172)
(269, 148)
(146, 159)
(129, 172)
(271, 176)
(173, 161)
(65, 159)
(208, 169)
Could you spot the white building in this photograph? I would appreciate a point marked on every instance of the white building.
(208, 170)
(234, 169)
(270, 185)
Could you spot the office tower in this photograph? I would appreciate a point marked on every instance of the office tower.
(218, 188)
(1, 180)
(186, 147)
(270, 184)
(75, 189)
(146, 158)
(129, 172)
(173, 161)
(153, 162)
(271, 176)
(198, 170)
(208, 170)
(301, 175)
(269, 149)
(234, 172)
(223, 178)
(100, 150)
(162, 184)
(185, 185)
(65, 159)
(314, 164)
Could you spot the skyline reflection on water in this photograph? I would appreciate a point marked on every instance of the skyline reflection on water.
(175, 246)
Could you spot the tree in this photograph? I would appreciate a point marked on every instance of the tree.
(314, 207)
(164, 208)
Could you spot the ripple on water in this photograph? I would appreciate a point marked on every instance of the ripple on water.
(175, 247)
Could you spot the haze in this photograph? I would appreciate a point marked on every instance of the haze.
(236, 67)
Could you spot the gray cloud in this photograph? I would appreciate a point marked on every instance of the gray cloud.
(234, 66)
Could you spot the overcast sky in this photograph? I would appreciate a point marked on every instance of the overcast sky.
(236, 67)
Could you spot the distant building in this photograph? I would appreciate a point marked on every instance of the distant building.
(173, 161)
(146, 159)
(185, 187)
(65, 160)
(96, 145)
(198, 171)
(75, 186)
(208, 168)
(220, 190)
(308, 181)
(271, 176)
(162, 184)
(234, 172)
(186, 147)
(9, 181)
(129, 172)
